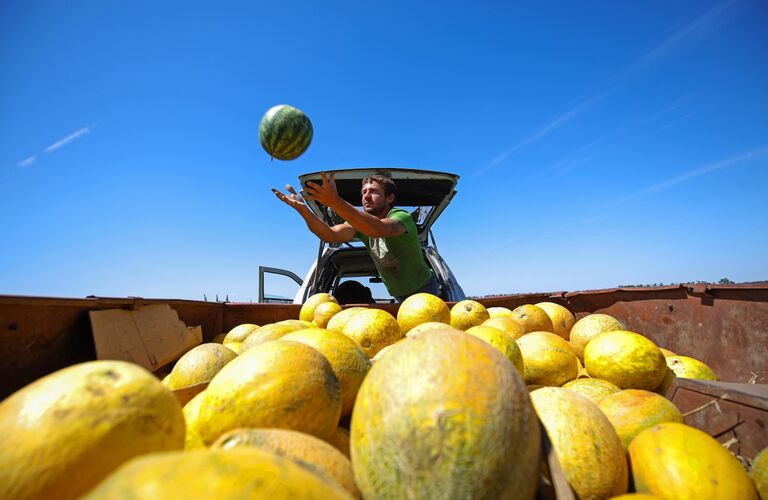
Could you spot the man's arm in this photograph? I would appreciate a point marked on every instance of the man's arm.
(339, 233)
(369, 225)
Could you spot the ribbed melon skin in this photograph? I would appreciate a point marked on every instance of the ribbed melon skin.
(202, 474)
(586, 444)
(65, 432)
(285, 132)
(309, 451)
(444, 415)
(675, 461)
(277, 384)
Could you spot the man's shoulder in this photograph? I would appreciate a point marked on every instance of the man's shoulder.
(405, 218)
(398, 213)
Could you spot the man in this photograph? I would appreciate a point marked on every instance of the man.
(388, 233)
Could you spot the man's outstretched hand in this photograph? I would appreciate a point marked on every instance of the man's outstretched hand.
(291, 199)
(324, 193)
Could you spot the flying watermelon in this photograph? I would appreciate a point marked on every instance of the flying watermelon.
(285, 132)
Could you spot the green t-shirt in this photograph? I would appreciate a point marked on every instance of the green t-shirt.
(400, 260)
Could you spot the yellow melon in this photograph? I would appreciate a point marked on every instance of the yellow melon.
(582, 371)
(532, 318)
(506, 324)
(349, 362)
(585, 442)
(308, 450)
(666, 383)
(667, 352)
(239, 333)
(547, 359)
(272, 331)
(373, 330)
(422, 308)
(199, 365)
(468, 313)
(445, 415)
(494, 312)
(240, 473)
(65, 432)
(234, 346)
(430, 325)
(501, 341)
(687, 367)
(625, 358)
(284, 384)
(759, 473)
(324, 312)
(631, 411)
(562, 319)
(340, 319)
(385, 350)
(636, 496)
(191, 413)
(591, 388)
(673, 460)
(298, 324)
(307, 312)
(589, 327)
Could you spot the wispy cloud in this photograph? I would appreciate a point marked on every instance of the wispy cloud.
(580, 156)
(753, 155)
(675, 122)
(746, 157)
(57, 145)
(566, 165)
(71, 137)
(678, 105)
(548, 128)
(27, 161)
(696, 31)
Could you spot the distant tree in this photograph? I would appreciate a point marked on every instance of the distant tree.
(726, 281)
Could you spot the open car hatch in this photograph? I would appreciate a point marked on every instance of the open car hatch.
(423, 193)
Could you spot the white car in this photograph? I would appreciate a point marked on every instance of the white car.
(424, 193)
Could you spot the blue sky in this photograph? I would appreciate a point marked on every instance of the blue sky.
(598, 143)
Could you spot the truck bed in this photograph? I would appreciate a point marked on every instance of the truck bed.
(725, 326)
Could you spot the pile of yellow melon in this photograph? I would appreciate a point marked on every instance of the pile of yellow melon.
(435, 402)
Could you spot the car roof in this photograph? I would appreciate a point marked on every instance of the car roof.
(426, 192)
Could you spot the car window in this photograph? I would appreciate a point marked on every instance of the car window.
(379, 291)
(359, 290)
(420, 214)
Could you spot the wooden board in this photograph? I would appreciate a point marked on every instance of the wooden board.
(150, 336)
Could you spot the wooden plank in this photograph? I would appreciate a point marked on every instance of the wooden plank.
(151, 336)
(755, 395)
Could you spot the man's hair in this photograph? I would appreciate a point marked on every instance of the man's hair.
(385, 182)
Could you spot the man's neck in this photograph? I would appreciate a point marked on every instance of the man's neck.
(383, 214)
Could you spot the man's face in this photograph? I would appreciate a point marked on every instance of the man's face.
(374, 200)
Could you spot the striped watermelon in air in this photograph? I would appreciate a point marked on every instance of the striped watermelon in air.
(285, 132)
